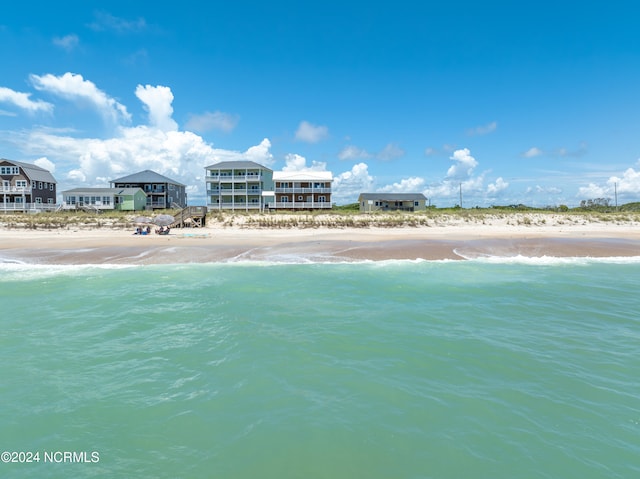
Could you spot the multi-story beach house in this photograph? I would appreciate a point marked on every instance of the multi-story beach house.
(392, 202)
(238, 185)
(26, 187)
(301, 190)
(246, 185)
(103, 199)
(162, 192)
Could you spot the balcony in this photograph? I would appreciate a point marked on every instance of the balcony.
(299, 205)
(303, 190)
(15, 189)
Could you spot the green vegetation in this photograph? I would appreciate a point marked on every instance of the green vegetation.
(346, 216)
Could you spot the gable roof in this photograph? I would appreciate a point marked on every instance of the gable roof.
(392, 196)
(34, 172)
(146, 176)
(237, 165)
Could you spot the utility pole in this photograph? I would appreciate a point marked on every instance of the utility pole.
(615, 189)
(460, 195)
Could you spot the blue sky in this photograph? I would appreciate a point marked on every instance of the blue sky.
(510, 102)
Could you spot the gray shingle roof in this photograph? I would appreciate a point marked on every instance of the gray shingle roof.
(34, 172)
(146, 176)
(392, 196)
(103, 191)
(237, 165)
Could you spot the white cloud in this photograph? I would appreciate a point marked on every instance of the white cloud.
(353, 153)
(483, 129)
(22, 100)
(212, 121)
(406, 185)
(626, 187)
(157, 101)
(295, 162)
(75, 88)
(463, 166)
(46, 164)
(390, 152)
(311, 133)
(497, 187)
(348, 185)
(592, 191)
(532, 152)
(68, 42)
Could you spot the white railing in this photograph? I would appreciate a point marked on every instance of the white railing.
(15, 189)
(234, 177)
(303, 190)
(299, 205)
(32, 207)
(234, 206)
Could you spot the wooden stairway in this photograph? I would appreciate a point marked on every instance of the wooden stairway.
(190, 217)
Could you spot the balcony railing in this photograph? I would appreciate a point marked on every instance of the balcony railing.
(15, 189)
(299, 205)
(235, 191)
(242, 178)
(303, 190)
(6, 207)
(234, 206)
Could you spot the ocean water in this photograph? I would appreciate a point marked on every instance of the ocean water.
(456, 369)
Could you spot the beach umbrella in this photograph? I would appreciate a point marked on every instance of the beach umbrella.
(142, 220)
(163, 220)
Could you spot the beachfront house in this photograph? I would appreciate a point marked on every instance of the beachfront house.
(370, 202)
(301, 190)
(238, 185)
(103, 199)
(26, 187)
(162, 192)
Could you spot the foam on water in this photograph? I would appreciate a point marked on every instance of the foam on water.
(504, 367)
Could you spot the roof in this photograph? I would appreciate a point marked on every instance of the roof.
(34, 172)
(309, 175)
(146, 176)
(392, 196)
(236, 165)
(105, 191)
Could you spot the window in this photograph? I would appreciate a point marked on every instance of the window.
(9, 170)
(415, 203)
(285, 199)
(50, 201)
(40, 185)
(21, 183)
(106, 200)
(322, 199)
(50, 186)
(38, 200)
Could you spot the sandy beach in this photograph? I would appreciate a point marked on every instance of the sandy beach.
(454, 239)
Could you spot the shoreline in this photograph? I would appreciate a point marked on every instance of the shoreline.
(215, 243)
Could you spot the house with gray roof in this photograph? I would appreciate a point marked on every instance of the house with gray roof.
(24, 186)
(238, 185)
(162, 192)
(102, 199)
(391, 202)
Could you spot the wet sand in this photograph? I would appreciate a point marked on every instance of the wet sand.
(199, 245)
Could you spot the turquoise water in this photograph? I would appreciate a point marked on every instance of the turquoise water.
(465, 369)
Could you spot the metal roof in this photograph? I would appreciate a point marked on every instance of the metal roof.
(146, 176)
(236, 165)
(33, 172)
(392, 196)
(302, 175)
(104, 191)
